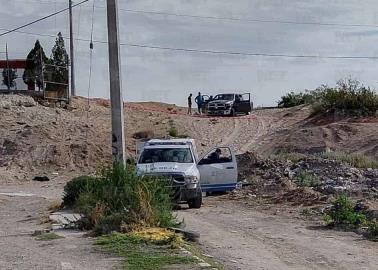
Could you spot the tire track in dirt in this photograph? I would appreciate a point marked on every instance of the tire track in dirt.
(260, 130)
(230, 139)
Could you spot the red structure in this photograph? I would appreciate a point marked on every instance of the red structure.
(16, 64)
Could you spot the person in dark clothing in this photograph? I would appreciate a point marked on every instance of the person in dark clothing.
(199, 100)
(190, 104)
(215, 156)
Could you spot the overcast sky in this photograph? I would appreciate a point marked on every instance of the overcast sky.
(168, 76)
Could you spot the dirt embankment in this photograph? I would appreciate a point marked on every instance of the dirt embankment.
(36, 139)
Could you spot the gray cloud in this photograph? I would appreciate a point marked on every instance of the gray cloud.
(150, 74)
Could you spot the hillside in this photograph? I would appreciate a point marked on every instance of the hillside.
(36, 139)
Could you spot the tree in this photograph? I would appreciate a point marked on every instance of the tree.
(9, 77)
(33, 71)
(58, 71)
(60, 60)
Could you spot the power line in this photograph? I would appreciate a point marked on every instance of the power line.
(244, 20)
(226, 18)
(205, 51)
(246, 53)
(41, 19)
(213, 51)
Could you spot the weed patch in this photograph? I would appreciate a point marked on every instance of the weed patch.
(285, 156)
(306, 179)
(342, 214)
(173, 131)
(54, 206)
(119, 200)
(142, 253)
(372, 232)
(48, 237)
(355, 160)
(348, 98)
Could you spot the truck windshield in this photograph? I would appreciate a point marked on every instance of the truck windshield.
(224, 97)
(180, 155)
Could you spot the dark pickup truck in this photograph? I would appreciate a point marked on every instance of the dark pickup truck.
(229, 104)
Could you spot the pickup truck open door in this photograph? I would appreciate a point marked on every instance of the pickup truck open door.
(218, 170)
(243, 103)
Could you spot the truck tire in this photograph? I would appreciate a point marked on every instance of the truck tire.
(232, 113)
(196, 202)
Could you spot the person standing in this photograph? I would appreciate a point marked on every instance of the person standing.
(199, 101)
(190, 104)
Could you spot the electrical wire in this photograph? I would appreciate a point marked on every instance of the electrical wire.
(41, 19)
(246, 53)
(190, 50)
(278, 21)
(243, 19)
(213, 51)
(90, 74)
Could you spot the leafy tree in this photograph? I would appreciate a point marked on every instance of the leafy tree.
(9, 77)
(33, 71)
(60, 61)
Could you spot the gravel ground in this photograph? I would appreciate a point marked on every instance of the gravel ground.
(19, 219)
(244, 238)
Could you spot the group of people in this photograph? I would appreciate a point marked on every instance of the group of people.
(199, 100)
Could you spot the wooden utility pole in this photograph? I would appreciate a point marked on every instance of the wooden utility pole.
(6, 54)
(116, 99)
(72, 56)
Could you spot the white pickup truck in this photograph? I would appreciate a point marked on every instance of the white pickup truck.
(178, 159)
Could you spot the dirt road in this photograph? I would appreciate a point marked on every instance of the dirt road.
(21, 216)
(243, 238)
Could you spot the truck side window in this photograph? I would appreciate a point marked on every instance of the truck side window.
(218, 155)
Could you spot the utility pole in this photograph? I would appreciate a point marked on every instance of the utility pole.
(6, 54)
(73, 90)
(116, 99)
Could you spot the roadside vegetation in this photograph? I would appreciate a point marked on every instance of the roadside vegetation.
(119, 200)
(146, 249)
(306, 179)
(130, 215)
(48, 237)
(354, 160)
(173, 131)
(343, 215)
(348, 98)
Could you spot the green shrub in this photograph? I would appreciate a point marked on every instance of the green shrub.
(109, 223)
(295, 99)
(119, 197)
(173, 131)
(85, 203)
(306, 179)
(342, 214)
(372, 233)
(349, 98)
(76, 186)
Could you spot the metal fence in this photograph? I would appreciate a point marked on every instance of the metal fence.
(51, 82)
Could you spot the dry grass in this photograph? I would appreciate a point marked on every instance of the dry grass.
(54, 205)
(355, 160)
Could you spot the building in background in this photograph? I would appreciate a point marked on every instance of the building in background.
(19, 65)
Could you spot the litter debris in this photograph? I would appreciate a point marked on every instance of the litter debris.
(41, 179)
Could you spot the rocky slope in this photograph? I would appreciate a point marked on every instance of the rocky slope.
(37, 139)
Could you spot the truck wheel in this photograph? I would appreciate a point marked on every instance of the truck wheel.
(196, 202)
(232, 113)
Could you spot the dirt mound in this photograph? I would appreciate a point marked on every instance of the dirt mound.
(36, 139)
(301, 196)
(300, 132)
